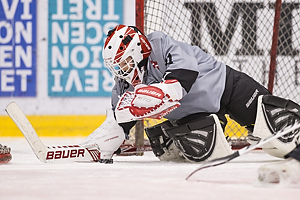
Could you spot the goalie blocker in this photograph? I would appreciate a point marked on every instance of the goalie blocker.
(199, 140)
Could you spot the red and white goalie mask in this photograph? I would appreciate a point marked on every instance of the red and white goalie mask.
(124, 48)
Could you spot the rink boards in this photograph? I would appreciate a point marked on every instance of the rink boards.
(78, 125)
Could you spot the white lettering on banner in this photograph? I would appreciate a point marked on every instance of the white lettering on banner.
(6, 54)
(93, 11)
(96, 50)
(74, 78)
(26, 11)
(57, 83)
(76, 7)
(13, 53)
(61, 33)
(26, 56)
(92, 84)
(98, 29)
(7, 79)
(62, 58)
(21, 31)
(78, 28)
(85, 57)
(23, 74)
(111, 8)
(91, 81)
(26, 32)
(77, 35)
(9, 32)
(59, 14)
(20, 54)
(10, 12)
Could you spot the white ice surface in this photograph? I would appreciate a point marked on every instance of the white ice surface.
(132, 177)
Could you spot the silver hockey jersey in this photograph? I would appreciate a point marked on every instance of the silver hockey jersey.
(201, 76)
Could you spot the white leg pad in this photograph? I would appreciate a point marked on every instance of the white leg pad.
(261, 129)
(222, 148)
(276, 147)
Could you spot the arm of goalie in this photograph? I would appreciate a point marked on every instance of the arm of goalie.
(153, 101)
(108, 137)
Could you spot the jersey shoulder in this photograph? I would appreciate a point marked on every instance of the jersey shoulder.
(156, 35)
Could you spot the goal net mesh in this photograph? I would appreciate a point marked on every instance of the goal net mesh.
(238, 33)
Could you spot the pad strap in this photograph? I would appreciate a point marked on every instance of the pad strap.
(159, 142)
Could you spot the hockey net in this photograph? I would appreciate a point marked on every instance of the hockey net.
(238, 33)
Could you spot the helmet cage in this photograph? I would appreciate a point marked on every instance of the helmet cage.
(126, 69)
(124, 49)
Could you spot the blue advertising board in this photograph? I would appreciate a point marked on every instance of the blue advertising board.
(17, 48)
(77, 30)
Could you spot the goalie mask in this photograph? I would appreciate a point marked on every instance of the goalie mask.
(124, 50)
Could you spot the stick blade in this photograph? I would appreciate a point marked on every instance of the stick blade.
(27, 130)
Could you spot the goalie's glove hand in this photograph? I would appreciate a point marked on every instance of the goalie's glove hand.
(153, 101)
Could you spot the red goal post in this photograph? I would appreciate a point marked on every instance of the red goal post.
(258, 37)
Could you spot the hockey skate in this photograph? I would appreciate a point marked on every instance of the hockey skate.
(5, 155)
(284, 172)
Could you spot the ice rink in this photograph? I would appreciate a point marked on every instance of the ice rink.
(132, 177)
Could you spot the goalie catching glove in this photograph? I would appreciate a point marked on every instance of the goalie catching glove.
(149, 101)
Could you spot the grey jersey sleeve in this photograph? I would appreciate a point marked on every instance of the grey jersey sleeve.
(181, 64)
(201, 76)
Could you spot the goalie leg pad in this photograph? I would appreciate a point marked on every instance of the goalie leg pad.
(163, 146)
(274, 114)
(200, 140)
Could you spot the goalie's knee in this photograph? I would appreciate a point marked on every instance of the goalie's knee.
(200, 140)
(274, 114)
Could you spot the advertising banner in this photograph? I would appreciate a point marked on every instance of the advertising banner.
(77, 30)
(17, 48)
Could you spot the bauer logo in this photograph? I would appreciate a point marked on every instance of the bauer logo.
(77, 31)
(17, 48)
(65, 154)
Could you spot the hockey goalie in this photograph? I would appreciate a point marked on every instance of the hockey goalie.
(156, 76)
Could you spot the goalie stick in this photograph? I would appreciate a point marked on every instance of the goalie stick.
(245, 150)
(50, 153)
